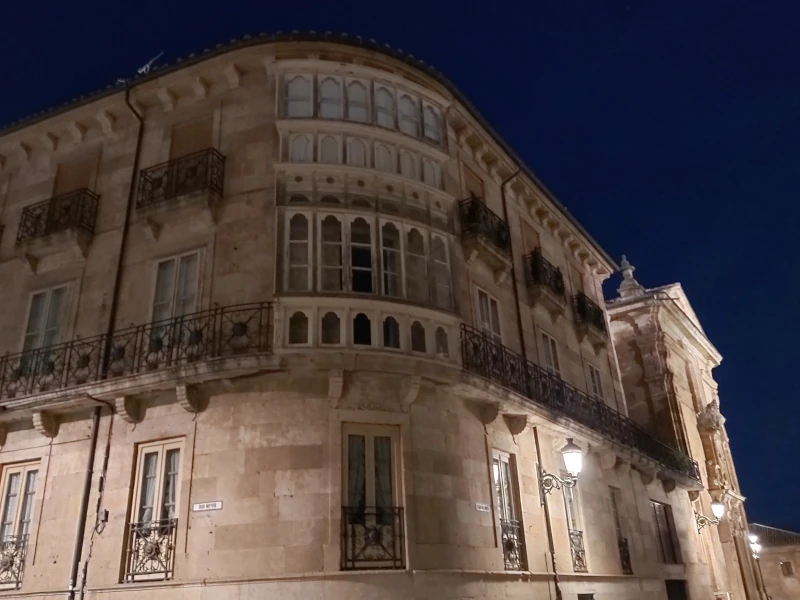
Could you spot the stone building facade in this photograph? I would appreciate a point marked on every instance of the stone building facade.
(289, 319)
(777, 561)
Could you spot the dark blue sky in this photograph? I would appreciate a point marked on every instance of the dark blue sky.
(670, 129)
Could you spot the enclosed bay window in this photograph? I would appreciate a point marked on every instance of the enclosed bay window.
(408, 167)
(299, 96)
(361, 256)
(331, 268)
(330, 98)
(384, 158)
(489, 316)
(431, 123)
(418, 342)
(329, 150)
(391, 256)
(357, 101)
(550, 354)
(664, 525)
(46, 317)
(441, 272)
(416, 266)
(385, 106)
(409, 115)
(391, 333)
(301, 148)
(331, 329)
(18, 487)
(356, 153)
(298, 271)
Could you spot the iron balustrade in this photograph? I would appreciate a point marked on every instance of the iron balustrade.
(478, 220)
(539, 271)
(625, 556)
(587, 312)
(73, 211)
(216, 333)
(578, 551)
(150, 553)
(202, 171)
(13, 549)
(484, 357)
(372, 538)
(511, 539)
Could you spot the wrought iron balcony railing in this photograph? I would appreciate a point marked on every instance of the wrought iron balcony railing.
(539, 271)
(73, 211)
(511, 538)
(372, 538)
(484, 357)
(587, 312)
(150, 553)
(625, 556)
(219, 332)
(478, 220)
(13, 549)
(578, 551)
(202, 171)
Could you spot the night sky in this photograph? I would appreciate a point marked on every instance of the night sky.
(670, 129)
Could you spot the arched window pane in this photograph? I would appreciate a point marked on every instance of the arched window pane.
(432, 124)
(391, 333)
(392, 262)
(331, 254)
(330, 99)
(362, 330)
(361, 256)
(409, 115)
(298, 328)
(300, 149)
(298, 199)
(357, 102)
(416, 267)
(407, 166)
(331, 329)
(441, 273)
(298, 97)
(442, 345)
(417, 337)
(299, 254)
(384, 107)
(430, 173)
(356, 153)
(383, 159)
(329, 150)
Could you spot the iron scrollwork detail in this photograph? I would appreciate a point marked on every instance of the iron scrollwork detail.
(372, 538)
(578, 551)
(151, 550)
(511, 538)
(625, 556)
(549, 482)
(13, 550)
(477, 219)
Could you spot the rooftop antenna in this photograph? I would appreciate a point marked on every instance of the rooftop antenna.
(145, 69)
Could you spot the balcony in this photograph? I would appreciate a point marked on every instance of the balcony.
(486, 236)
(217, 333)
(578, 551)
(12, 561)
(482, 356)
(590, 321)
(372, 538)
(545, 284)
(624, 556)
(65, 221)
(195, 179)
(511, 538)
(150, 553)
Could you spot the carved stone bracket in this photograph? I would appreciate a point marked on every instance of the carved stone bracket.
(30, 261)
(607, 460)
(129, 408)
(200, 87)
(3, 434)
(106, 121)
(669, 485)
(647, 475)
(234, 76)
(694, 495)
(335, 386)
(410, 391)
(189, 398)
(45, 423)
(168, 99)
(489, 412)
(623, 467)
(516, 423)
(152, 230)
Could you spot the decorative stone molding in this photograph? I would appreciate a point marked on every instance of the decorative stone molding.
(50, 141)
(234, 76)
(335, 386)
(647, 475)
(200, 87)
(607, 460)
(3, 434)
(489, 411)
(24, 151)
(168, 99)
(710, 419)
(516, 423)
(45, 423)
(107, 121)
(129, 408)
(152, 230)
(669, 485)
(410, 391)
(189, 398)
(30, 261)
(623, 467)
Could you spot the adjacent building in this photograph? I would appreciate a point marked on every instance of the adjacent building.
(777, 558)
(289, 319)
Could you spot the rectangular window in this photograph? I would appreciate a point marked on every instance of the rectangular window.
(331, 245)
(392, 259)
(595, 383)
(571, 505)
(19, 492)
(46, 317)
(505, 497)
(361, 256)
(176, 287)
(664, 524)
(787, 569)
(298, 254)
(550, 354)
(157, 482)
(616, 503)
(443, 295)
(489, 316)
(299, 94)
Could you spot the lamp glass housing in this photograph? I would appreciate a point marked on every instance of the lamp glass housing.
(573, 458)
(753, 538)
(718, 509)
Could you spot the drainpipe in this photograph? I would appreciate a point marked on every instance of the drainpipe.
(87, 483)
(513, 267)
(550, 543)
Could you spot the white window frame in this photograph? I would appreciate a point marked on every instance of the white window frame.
(63, 318)
(21, 501)
(487, 327)
(393, 93)
(343, 224)
(348, 242)
(367, 98)
(320, 157)
(309, 157)
(338, 80)
(447, 268)
(392, 157)
(438, 123)
(198, 252)
(617, 512)
(370, 432)
(508, 507)
(400, 227)
(551, 361)
(426, 243)
(288, 246)
(287, 99)
(323, 312)
(415, 171)
(415, 118)
(367, 152)
(436, 171)
(595, 381)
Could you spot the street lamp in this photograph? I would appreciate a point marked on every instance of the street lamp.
(573, 461)
(717, 509)
(755, 547)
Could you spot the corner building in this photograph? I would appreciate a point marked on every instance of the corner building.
(287, 319)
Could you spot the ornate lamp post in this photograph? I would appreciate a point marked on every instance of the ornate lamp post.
(573, 461)
(755, 548)
(717, 509)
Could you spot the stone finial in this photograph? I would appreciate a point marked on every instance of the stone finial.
(629, 288)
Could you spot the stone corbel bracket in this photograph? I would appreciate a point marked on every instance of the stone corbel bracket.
(3, 434)
(45, 423)
(335, 386)
(129, 409)
(409, 391)
(606, 459)
(516, 423)
(152, 230)
(489, 411)
(190, 399)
